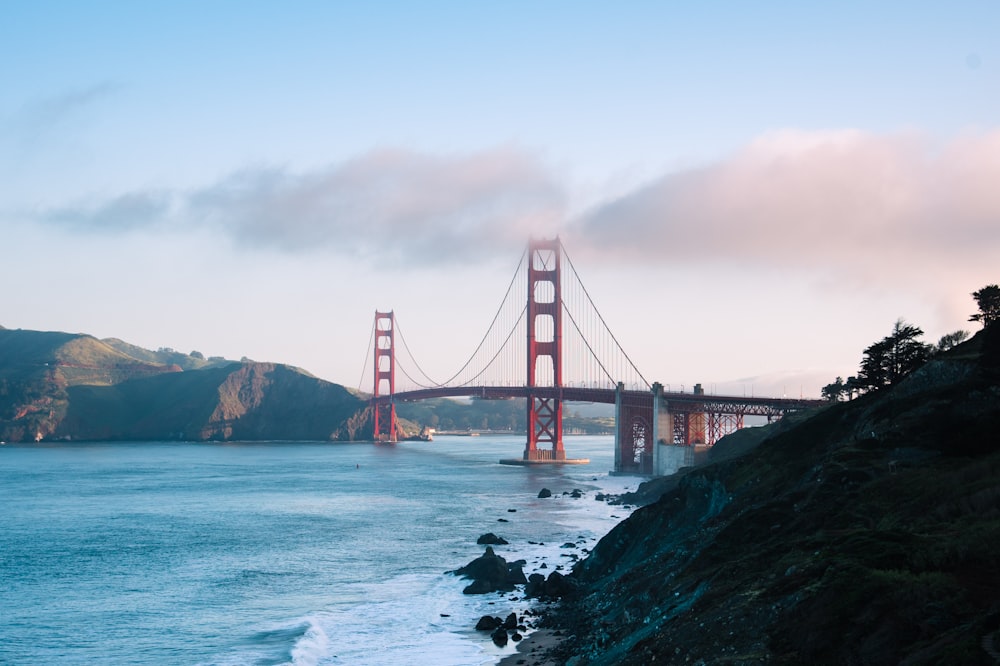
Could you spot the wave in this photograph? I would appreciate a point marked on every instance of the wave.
(302, 642)
(312, 646)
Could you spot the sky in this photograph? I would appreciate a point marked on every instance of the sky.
(752, 193)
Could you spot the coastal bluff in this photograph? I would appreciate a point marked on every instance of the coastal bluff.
(866, 532)
(69, 387)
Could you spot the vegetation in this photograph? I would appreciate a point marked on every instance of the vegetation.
(988, 300)
(69, 386)
(901, 352)
(445, 414)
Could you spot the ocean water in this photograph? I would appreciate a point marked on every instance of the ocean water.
(277, 553)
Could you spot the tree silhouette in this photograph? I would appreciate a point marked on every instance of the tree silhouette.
(988, 300)
(835, 391)
(951, 340)
(893, 357)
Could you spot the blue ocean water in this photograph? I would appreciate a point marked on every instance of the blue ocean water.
(276, 553)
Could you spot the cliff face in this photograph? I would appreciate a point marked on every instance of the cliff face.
(65, 386)
(866, 534)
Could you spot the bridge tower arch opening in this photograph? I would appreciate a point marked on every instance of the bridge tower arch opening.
(384, 413)
(544, 331)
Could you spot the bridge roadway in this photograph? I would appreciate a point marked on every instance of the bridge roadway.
(686, 402)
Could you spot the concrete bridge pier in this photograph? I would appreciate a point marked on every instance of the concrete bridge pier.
(634, 432)
(651, 439)
(673, 449)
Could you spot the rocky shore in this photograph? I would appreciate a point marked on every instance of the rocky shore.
(864, 533)
(521, 598)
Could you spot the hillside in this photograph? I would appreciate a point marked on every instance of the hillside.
(72, 387)
(866, 534)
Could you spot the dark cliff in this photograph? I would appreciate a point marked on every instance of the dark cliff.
(76, 387)
(868, 533)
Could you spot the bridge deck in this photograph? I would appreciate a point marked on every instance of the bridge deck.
(681, 402)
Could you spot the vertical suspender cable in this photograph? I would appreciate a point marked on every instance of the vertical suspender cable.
(368, 355)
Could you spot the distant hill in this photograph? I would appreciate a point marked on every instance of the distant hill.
(69, 386)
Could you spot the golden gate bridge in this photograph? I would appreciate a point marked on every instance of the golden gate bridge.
(555, 347)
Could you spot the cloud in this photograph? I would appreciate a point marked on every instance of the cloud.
(135, 210)
(388, 202)
(391, 203)
(38, 119)
(842, 206)
(854, 205)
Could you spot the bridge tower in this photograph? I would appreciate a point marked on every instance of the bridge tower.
(544, 350)
(384, 414)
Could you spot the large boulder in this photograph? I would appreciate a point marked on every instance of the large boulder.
(491, 573)
(556, 586)
(515, 572)
(488, 623)
(491, 539)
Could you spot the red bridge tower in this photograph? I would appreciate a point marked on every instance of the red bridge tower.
(545, 345)
(384, 414)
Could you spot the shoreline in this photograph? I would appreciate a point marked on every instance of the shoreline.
(533, 649)
(581, 512)
(540, 645)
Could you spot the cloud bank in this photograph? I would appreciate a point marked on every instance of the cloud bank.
(856, 205)
(388, 204)
(847, 205)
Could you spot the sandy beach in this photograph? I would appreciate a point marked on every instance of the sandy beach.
(530, 651)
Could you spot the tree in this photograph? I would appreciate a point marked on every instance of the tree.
(835, 391)
(893, 357)
(874, 363)
(988, 300)
(951, 340)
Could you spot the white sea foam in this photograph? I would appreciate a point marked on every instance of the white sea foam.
(313, 647)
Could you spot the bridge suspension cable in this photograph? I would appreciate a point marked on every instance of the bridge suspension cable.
(613, 347)
(592, 356)
(368, 355)
(496, 349)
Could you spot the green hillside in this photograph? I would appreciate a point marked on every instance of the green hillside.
(75, 387)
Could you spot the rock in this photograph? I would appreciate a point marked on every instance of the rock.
(516, 637)
(479, 586)
(491, 573)
(510, 622)
(488, 623)
(544, 492)
(499, 637)
(576, 494)
(490, 538)
(515, 573)
(557, 585)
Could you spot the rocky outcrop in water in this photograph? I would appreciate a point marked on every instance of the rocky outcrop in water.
(491, 539)
(491, 573)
